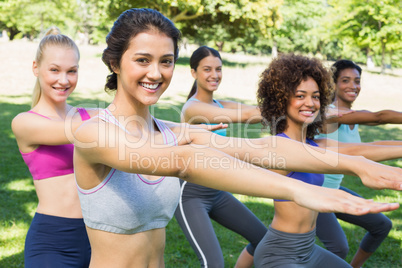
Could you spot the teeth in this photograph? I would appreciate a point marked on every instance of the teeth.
(150, 86)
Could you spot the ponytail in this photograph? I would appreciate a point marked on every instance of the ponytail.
(36, 93)
(193, 90)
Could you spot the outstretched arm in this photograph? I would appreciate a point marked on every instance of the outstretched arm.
(281, 153)
(32, 130)
(376, 151)
(368, 118)
(201, 165)
(196, 112)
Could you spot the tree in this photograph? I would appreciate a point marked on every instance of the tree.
(29, 18)
(296, 31)
(374, 26)
(95, 21)
(219, 20)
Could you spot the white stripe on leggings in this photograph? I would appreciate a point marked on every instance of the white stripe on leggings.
(188, 227)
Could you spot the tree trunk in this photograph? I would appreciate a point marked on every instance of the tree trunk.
(275, 50)
(382, 57)
(13, 32)
(369, 62)
(219, 44)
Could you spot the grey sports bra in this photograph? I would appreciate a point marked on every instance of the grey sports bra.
(128, 203)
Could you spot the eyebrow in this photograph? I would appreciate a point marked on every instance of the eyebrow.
(58, 66)
(208, 66)
(149, 55)
(303, 91)
(345, 76)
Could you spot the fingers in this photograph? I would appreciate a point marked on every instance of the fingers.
(359, 206)
(379, 184)
(383, 177)
(216, 127)
(384, 207)
(388, 184)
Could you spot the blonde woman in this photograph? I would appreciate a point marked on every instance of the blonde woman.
(57, 235)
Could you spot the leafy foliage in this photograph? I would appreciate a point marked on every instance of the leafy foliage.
(25, 18)
(331, 29)
(372, 26)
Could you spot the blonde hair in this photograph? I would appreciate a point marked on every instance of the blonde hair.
(53, 37)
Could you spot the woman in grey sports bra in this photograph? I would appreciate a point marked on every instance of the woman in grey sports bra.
(142, 48)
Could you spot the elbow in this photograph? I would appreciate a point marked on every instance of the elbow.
(352, 150)
(381, 117)
(251, 116)
(182, 163)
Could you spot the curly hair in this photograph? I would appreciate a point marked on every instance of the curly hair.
(278, 84)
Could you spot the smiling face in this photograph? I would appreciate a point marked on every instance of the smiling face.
(208, 73)
(146, 67)
(57, 72)
(348, 86)
(304, 105)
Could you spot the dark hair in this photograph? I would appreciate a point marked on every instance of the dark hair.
(279, 82)
(199, 54)
(341, 65)
(130, 23)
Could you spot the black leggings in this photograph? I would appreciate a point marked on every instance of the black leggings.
(198, 205)
(332, 236)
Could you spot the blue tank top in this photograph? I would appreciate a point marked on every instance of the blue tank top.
(127, 203)
(221, 132)
(310, 178)
(342, 134)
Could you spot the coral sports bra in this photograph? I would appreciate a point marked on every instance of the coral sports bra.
(48, 161)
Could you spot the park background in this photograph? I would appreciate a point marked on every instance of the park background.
(247, 47)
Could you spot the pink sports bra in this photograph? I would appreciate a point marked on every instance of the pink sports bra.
(48, 161)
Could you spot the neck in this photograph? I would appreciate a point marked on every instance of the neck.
(44, 106)
(131, 113)
(204, 96)
(297, 133)
(342, 104)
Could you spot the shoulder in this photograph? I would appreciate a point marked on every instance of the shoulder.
(175, 127)
(90, 111)
(228, 103)
(91, 130)
(25, 121)
(193, 102)
(194, 108)
(21, 118)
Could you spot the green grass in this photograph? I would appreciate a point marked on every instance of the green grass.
(18, 199)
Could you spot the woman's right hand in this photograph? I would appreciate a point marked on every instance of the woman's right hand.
(331, 200)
